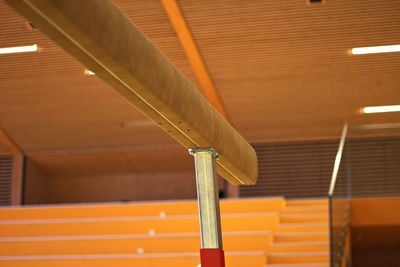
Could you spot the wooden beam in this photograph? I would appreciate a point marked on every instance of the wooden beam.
(106, 42)
(192, 53)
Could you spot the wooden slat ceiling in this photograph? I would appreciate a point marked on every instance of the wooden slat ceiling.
(47, 103)
(282, 69)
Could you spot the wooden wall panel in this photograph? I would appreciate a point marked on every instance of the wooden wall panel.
(123, 187)
(35, 188)
(12, 157)
(298, 169)
(294, 170)
(100, 176)
(374, 166)
(6, 173)
(115, 176)
(304, 169)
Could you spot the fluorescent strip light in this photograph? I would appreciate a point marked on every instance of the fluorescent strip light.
(88, 72)
(381, 109)
(19, 49)
(375, 49)
(380, 126)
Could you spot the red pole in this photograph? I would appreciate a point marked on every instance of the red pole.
(212, 257)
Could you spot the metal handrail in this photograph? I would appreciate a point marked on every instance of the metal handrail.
(335, 172)
(338, 159)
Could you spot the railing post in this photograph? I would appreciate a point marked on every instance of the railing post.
(211, 252)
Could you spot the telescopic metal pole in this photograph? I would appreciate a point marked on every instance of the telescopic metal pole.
(211, 252)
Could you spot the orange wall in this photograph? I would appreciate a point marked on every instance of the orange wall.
(375, 211)
(375, 232)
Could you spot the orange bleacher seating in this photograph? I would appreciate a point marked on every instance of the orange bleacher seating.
(256, 232)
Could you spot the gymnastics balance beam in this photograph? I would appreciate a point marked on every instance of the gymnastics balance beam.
(102, 38)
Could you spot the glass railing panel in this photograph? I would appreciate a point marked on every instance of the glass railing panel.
(339, 203)
(367, 166)
(374, 157)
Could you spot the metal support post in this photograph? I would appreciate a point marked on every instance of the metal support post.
(211, 252)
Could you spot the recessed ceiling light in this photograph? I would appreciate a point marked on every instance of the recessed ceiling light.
(381, 109)
(88, 72)
(315, 1)
(375, 49)
(19, 49)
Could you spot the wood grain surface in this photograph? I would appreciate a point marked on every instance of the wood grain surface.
(106, 42)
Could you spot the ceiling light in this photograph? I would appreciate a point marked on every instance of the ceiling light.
(88, 72)
(380, 109)
(315, 1)
(379, 126)
(19, 49)
(375, 49)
